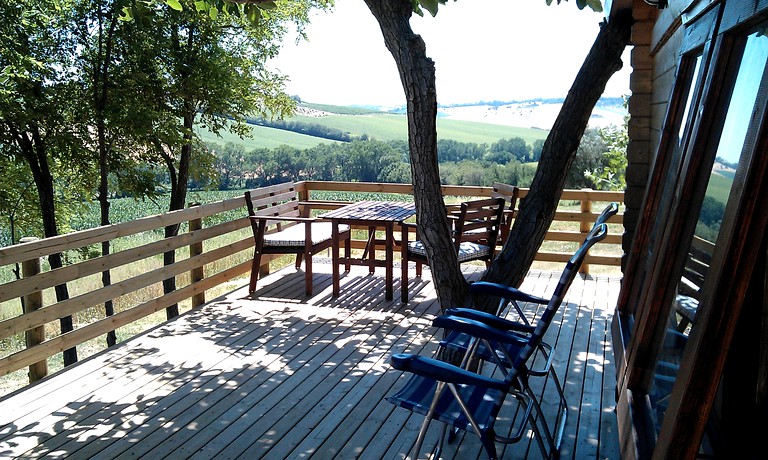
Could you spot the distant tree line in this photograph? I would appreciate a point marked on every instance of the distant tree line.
(310, 129)
(511, 161)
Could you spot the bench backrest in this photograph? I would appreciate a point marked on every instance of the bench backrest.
(275, 200)
(511, 194)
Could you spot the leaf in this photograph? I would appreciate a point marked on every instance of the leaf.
(595, 5)
(430, 5)
(201, 6)
(253, 13)
(213, 12)
(127, 14)
(174, 4)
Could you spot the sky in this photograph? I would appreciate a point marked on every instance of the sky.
(483, 50)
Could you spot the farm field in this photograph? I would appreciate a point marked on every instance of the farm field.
(382, 126)
(389, 126)
(264, 137)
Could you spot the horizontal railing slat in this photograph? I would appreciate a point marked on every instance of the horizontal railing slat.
(48, 279)
(73, 305)
(44, 247)
(63, 342)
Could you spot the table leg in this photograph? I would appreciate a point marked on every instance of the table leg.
(335, 256)
(389, 258)
(371, 249)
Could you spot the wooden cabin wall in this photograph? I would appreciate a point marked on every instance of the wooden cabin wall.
(642, 143)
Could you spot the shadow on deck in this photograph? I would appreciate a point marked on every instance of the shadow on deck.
(277, 375)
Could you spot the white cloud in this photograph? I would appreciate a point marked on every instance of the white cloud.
(483, 50)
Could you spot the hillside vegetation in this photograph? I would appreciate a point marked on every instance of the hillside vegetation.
(370, 124)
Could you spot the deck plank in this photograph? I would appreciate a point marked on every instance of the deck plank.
(278, 375)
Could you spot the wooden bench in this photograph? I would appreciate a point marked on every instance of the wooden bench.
(283, 225)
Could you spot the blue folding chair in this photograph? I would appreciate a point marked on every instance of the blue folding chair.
(473, 401)
(510, 298)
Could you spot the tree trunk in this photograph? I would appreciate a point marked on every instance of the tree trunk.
(537, 209)
(180, 177)
(417, 74)
(169, 257)
(100, 99)
(34, 150)
(178, 197)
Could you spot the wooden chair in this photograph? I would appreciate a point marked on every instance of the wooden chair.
(511, 194)
(281, 225)
(475, 227)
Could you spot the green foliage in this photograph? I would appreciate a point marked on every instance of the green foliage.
(17, 202)
(429, 5)
(86, 86)
(505, 150)
(611, 172)
(310, 129)
(711, 212)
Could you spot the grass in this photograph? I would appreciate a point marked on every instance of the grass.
(263, 137)
(719, 187)
(376, 125)
(388, 126)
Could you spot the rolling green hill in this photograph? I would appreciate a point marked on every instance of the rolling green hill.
(263, 137)
(389, 126)
(376, 125)
(719, 186)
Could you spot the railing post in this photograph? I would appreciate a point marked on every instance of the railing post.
(584, 225)
(195, 249)
(303, 194)
(32, 302)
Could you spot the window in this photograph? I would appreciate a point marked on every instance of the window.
(692, 263)
(720, 181)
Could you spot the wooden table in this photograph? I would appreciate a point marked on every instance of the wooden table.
(373, 215)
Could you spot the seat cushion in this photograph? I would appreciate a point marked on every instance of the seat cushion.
(472, 251)
(467, 250)
(294, 235)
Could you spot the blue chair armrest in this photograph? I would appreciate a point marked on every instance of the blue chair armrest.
(490, 319)
(443, 372)
(478, 329)
(504, 291)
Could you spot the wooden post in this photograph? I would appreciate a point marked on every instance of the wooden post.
(585, 226)
(32, 302)
(195, 249)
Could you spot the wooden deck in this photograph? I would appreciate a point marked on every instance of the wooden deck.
(280, 376)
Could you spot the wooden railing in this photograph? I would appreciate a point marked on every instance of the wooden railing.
(590, 204)
(208, 257)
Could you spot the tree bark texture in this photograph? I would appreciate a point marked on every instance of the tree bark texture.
(417, 75)
(179, 185)
(100, 100)
(537, 209)
(35, 152)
